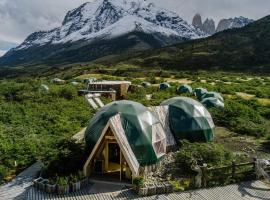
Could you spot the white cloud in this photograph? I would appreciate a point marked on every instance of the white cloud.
(19, 18)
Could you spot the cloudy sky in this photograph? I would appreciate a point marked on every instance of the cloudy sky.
(19, 18)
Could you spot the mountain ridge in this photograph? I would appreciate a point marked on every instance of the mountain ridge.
(104, 20)
(240, 49)
(209, 27)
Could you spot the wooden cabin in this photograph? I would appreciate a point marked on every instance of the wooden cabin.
(106, 87)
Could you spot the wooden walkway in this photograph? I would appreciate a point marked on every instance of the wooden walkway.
(242, 191)
(18, 188)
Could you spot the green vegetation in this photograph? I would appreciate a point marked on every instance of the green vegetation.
(38, 125)
(138, 181)
(34, 124)
(210, 153)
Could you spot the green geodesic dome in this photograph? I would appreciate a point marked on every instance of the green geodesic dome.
(213, 102)
(137, 121)
(199, 92)
(212, 94)
(184, 89)
(164, 86)
(190, 120)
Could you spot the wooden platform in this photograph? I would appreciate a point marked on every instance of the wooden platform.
(245, 191)
(18, 188)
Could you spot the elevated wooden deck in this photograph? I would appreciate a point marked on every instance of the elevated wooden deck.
(242, 191)
(18, 188)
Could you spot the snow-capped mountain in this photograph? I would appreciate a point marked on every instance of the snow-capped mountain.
(102, 28)
(236, 22)
(106, 19)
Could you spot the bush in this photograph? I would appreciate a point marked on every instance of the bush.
(3, 173)
(242, 117)
(138, 181)
(209, 153)
(62, 181)
(69, 159)
(177, 186)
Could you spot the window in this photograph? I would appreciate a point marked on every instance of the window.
(159, 140)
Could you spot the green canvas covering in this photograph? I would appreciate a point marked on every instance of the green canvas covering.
(164, 86)
(184, 89)
(137, 122)
(190, 120)
(146, 84)
(199, 92)
(212, 94)
(212, 102)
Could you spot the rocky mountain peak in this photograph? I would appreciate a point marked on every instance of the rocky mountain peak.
(209, 26)
(230, 23)
(197, 21)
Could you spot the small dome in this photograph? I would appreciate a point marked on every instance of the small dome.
(213, 94)
(189, 119)
(164, 86)
(184, 89)
(44, 87)
(142, 129)
(146, 84)
(199, 92)
(212, 102)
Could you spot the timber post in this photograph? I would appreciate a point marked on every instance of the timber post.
(204, 175)
(233, 169)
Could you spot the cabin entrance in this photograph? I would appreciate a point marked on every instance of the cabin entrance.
(109, 162)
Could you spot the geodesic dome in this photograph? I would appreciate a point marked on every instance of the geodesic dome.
(164, 86)
(143, 130)
(212, 94)
(184, 89)
(44, 88)
(146, 84)
(190, 120)
(213, 102)
(199, 92)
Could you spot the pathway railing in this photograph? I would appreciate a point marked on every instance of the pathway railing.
(212, 176)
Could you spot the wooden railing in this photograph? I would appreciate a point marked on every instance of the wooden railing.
(228, 174)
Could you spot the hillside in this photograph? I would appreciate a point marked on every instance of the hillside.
(244, 49)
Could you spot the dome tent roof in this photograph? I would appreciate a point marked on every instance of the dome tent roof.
(164, 86)
(184, 89)
(146, 84)
(199, 92)
(139, 124)
(212, 102)
(212, 94)
(189, 120)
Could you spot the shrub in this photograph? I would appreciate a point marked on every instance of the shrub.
(138, 181)
(242, 117)
(209, 153)
(69, 159)
(62, 181)
(176, 186)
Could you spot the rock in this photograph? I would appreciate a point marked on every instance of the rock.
(236, 22)
(197, 21)
(223, 25)
(209, 26)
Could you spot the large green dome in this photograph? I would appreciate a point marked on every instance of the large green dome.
(137, 121)
(189, 120)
